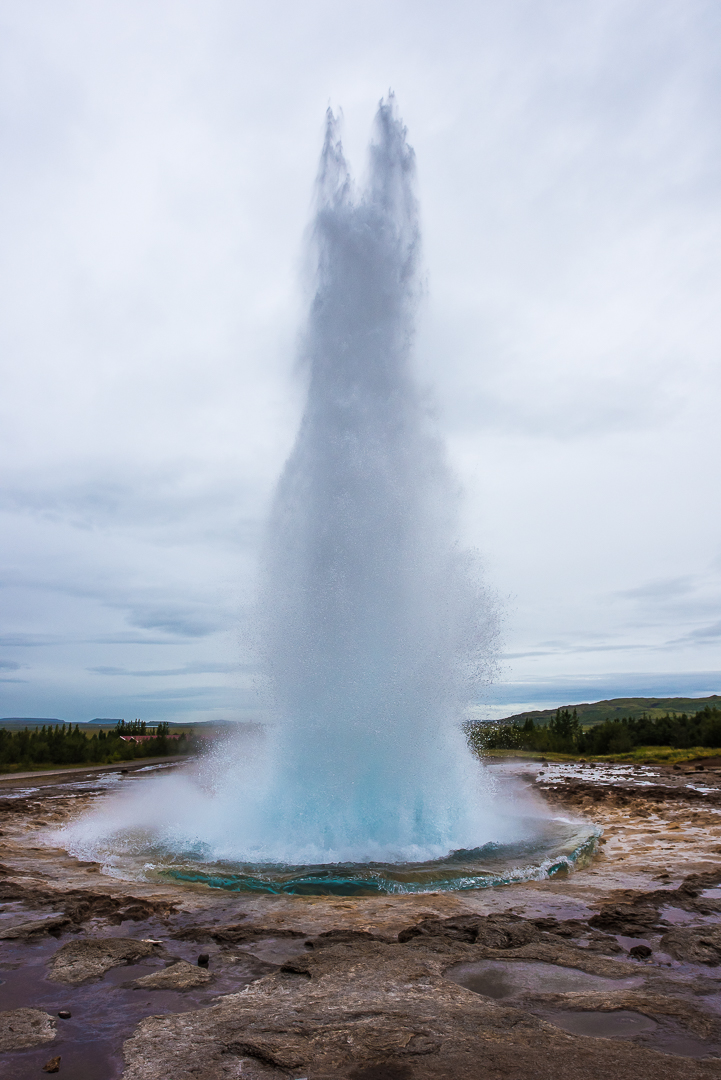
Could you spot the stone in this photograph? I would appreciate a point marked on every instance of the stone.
(628, 919)
(334, 937)
(23, 931)
(178, 976)
(495, 931)
(694, 944)
(380, 1011)
(235, 933)
(53, 1065)
(65, 1014)
(22, 1028)
(640, 952)
(90, 958)
(203, 960)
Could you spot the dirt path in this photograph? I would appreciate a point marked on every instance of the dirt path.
(38, 776)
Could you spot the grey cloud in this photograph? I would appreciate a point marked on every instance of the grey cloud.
(9, 665)
(190, 693)
(187, 669)
(174, 619)
(27, 640)
(565, 413)
(571, 648)
(706, 632)
(175, 506)
(700, 635)
(131, 638)
(663, 589)
(603, 686)
(149, 608)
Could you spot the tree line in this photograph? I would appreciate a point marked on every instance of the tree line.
(61, 744)
(563, 733)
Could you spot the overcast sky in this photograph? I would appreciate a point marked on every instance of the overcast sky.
(156, 176)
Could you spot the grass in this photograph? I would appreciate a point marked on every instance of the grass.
(640, 755)
(49, 766)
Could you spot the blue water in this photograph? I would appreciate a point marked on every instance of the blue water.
(564, 847)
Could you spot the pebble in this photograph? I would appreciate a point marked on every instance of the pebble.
(203, 959)
(65, 1014)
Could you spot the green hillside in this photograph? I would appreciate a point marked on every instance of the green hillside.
(597, 711)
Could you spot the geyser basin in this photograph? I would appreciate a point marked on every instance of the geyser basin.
(189, 842)
(564, 847)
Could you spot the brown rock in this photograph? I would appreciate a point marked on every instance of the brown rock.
(179, 976)
(235, 933)
(629, 919)
(53, 1065)
(694, 944)
(89, 958)
(21, 1028)
(495, 931)
(336, 937)
(23, 931)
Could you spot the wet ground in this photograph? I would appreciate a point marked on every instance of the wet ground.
(556, 951)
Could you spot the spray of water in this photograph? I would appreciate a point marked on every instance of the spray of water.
(373, 624)
(374, 629)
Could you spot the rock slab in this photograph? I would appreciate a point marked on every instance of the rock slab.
(373, 1010)
(22, 1028)
(90, 958)
(179, 976)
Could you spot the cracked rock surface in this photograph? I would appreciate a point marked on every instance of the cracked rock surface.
(20, 1028)
(492, 984)
(179, 976)
(377, 1009)
(86, 959)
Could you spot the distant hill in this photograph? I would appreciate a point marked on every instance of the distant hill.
(17, 723)
(596, 712)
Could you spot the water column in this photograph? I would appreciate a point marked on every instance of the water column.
(373, 625)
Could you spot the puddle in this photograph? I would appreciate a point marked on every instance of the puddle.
(503, 979)
(619, 1024)
(662, 1035)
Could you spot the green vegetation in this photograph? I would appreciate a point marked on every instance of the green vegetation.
(640, 755)
(563, 734)
(64, 745)
(617, 708)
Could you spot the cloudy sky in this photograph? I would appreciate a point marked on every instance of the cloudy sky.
(155, 184)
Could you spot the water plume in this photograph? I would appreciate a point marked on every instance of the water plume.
(373, 626)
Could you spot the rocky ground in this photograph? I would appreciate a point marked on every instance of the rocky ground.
(611, 972)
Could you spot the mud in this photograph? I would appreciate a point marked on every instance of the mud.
(531, 979)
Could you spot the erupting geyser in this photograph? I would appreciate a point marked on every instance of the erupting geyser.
(372, 624)
(373, 627)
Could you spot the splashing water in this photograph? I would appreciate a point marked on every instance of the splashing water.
(374, 629)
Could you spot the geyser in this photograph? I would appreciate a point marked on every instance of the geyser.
(374, 631)
(373, 626)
